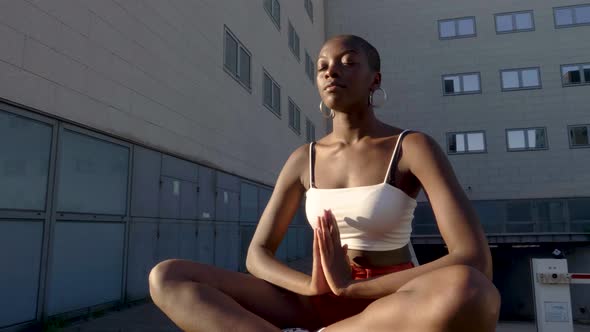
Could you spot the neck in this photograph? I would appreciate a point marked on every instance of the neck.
(351, 127)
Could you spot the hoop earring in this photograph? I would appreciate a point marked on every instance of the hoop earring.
(331, 115)
(371, 102)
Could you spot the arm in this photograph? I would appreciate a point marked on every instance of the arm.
(273, 225)
(456, 219)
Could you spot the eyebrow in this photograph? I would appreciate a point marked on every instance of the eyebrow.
(346, 51)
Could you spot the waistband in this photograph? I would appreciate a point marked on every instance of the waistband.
(364, 273)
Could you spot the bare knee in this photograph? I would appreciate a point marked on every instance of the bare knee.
(464, 297)
(162, 274)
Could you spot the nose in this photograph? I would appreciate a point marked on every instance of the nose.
(333, 70)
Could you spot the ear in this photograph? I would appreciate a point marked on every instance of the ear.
(376, 81)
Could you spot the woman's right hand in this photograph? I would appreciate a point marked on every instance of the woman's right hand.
(318, 284)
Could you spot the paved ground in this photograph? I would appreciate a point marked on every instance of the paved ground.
(147, 317)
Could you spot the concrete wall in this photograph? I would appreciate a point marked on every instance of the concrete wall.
(414, 59)
(152, 72)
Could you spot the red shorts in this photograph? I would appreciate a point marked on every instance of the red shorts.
(332, 308)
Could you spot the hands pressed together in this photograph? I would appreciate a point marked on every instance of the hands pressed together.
(331, 267)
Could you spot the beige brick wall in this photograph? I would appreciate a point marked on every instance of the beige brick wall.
(152, 72)
(413, 60)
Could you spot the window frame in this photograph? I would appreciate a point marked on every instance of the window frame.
(569, 137)
(296, 109)
(272, 95)
(582, 76)
(526, 139)
(276, 21)
(308, 4)
(456, 21)
(466, 142)
(309, 67)
(520, 81)
(291, 47)
(241, 46)
(574, 24)
(445, 94)
(513, 14)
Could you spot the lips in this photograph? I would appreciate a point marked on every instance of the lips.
(333, 85)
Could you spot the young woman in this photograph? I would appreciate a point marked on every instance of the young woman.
(360, 204)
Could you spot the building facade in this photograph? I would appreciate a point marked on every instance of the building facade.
(503, 87)
(135, 131)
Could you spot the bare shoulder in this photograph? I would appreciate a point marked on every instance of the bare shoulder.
(295, 167)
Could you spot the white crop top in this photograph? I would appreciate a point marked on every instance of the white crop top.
(375, 218)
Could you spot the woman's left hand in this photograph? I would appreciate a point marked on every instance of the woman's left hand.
(335, 262)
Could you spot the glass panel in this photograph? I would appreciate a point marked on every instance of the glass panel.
(291, 32)
(579, 209)
(470, 83)
(460, 142)
(518, 211)
(530, 77)
(92, 176)
(452, 84)
(276, 11)
(475, 142)
(552, 211)
(510, 79)
(571, 74)
(536, 138)
(582, 14)
(466, 26)
(586, 73)
(520, 228)
(276, 98)
(490, 215)
(25, 148)
(564, 16)
(291, 115)
(504, 23)
(267, 90)
(248, 203)
(516, 139)
(296, 41)
(244, 67)
(447, 29)
(524, 21)
(231, 53)
(579, 135)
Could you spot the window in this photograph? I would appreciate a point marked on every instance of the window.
(237, 59)
(456, 28)
(519, 79)
(310, 130)
(24, 162)
(575, 74)
(271, 94)
(459, 84)
(294, 115)
(273, 9)
(294, 41)
(309, 67)
(309, 8)
(579, 136)
(571, 15)
(526, 139)
(514, 22)
(466, 142)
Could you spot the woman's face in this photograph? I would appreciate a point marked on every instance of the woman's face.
(344, 78)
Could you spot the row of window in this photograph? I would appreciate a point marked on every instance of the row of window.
(517, 139)
(515, 79)
(273, 9)
(237, 64)
(567, 16)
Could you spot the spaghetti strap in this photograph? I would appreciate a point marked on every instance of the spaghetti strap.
(311, 155)
(394, 154)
